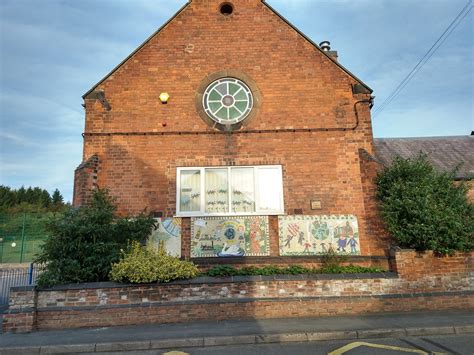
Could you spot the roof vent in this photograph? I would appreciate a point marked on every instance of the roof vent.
(325, 46)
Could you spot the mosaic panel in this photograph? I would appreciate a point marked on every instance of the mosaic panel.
(314, 235)
(167, 230)
(229, 236)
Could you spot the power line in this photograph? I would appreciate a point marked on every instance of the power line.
(427, 58)
(452, 26)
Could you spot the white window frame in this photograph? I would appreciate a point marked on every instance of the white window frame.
(203, 213)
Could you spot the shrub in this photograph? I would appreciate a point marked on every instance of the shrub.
(331, 262)
(423, 209)
(349, 269)
(296, 270)
(85, 241)
(227, 270)
(145, 265)
(222, 271)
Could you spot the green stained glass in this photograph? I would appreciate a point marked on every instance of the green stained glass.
(214, 106)
(214, 95)
(233, 88)
(241, 105)
(241, 95)
(222, 113)
(233, 113)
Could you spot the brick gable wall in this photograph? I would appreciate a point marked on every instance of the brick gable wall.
(309, 121)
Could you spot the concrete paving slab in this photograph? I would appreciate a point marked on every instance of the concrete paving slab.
(381, 333)
(228, 340)
(123, 346)
(464, 329)
(20, 350)
(176, 343)
(317, 336)
(429, 330)
(65, 349)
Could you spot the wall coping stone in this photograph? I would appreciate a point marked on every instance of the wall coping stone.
(20, 310)
(22, 288)
(219, 280)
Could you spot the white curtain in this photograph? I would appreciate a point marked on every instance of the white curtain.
(217, 191)
(190, 194)
(243, 190)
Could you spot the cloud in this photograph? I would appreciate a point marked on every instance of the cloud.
(16, 139)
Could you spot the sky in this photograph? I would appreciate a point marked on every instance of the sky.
(53, 51)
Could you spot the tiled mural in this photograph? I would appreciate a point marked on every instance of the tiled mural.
(313, 235)
(167, 230)
(229, 236)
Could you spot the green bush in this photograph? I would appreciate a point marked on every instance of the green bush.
(85, 241)
(227, 270)
(145, 265)
(349, 269)
(222, 271)
(331, 260)
(423, 208)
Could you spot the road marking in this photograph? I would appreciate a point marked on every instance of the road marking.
(174, 352)
(356, 344)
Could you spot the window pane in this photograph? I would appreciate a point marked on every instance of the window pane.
(190, 196)
(222, 113)
(269, 182)
(222, 88)
(241, 95)
(233, 113)
(241, 105)
(217, 194)
(243, 194)
(233, 88)
(214, 96)
(215, 106)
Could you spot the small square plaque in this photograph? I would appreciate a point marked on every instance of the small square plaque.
(315, 205)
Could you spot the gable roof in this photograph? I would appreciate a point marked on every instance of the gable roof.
(445, 153)
(185, 6)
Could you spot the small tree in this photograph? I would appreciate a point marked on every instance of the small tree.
(423, 208)
(85, 241)
(57, 201)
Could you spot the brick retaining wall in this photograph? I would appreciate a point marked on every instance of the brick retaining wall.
(423, 282)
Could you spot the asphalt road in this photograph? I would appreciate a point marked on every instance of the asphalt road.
(446, 344)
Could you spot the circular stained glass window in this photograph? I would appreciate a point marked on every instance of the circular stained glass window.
(227, 100)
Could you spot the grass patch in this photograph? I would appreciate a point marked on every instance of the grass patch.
(22, 235)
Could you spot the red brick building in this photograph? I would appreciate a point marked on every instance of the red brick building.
(228, 112)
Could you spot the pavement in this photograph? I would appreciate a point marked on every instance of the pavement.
(238, 332)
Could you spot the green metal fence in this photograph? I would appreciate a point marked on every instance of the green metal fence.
(21, 236)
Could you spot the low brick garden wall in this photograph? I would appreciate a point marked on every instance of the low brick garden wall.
(419, 282)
